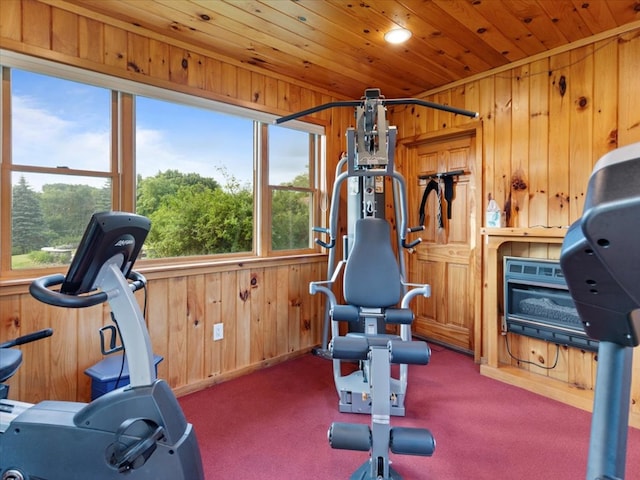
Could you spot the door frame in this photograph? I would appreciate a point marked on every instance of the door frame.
(475, 242)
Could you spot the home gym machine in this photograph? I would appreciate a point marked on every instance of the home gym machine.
(368, 160)
(600, 259)
(135, 432)
(373, 285)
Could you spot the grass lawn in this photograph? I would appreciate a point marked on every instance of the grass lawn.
(19, 262)
(22, 261)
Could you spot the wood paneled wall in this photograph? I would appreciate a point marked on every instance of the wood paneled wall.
(267, 313)
(544, 125)
(264, 305)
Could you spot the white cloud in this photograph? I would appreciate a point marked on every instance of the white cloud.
(43, 139)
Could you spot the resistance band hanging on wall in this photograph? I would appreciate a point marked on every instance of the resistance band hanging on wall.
(443, 188)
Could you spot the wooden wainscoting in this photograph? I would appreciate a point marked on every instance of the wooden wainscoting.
(267, 313)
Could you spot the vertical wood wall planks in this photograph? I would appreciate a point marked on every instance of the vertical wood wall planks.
(36, 24)
(244, 90)
(90, 39)
(11, 20)
(487, 113)
(178, 65)
(229, 295)
(502, 144)
(228, 78)
(605, 97)
(213, 314)
(243, 325)
(213, 75)
(64, 353)
(518, 183)
(580, 127)
(258, 326)
(158, 60)
(158, 321)
(258, 86)
(559, 114)
(197, 333)
(295, 314)
(270, 313)
(115, 47)
(538, 143)
(629, 105)
(138, 53)
(64, 32)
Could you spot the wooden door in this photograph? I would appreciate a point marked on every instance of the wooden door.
(447, 258)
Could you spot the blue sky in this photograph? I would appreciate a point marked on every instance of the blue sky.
(58, 123)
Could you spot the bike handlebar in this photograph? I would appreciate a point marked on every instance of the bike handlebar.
(40, 289)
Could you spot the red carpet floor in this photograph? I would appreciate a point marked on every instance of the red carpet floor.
(273, 424)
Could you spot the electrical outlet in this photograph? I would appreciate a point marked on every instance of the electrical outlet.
(218, 331)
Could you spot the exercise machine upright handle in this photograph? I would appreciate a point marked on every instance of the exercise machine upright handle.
(332, 241)
(40, 288)
(409, 245)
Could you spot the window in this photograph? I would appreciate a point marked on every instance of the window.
(61, 166)
(291, 187)
(214, 179)
(194, 179)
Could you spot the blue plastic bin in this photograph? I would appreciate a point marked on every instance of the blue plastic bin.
(104, 374)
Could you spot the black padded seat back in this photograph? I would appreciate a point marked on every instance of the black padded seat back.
(372, 275)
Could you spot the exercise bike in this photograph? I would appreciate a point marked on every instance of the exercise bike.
(134, 432)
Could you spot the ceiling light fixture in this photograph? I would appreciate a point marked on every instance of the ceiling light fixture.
(397, 35)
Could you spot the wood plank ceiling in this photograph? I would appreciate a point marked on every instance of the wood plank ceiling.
(338, 45)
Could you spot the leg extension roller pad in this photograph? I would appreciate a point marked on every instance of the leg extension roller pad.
(411, 353)
(412, 441)
(350, 436)
(350, 348)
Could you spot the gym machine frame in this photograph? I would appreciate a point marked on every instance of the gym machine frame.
(368, 160)
(372, 389)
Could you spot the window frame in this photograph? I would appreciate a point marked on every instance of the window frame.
(316, 153)
(122, 158)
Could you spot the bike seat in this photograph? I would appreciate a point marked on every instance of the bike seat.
(10, 361)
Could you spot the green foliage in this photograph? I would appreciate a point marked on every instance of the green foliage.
(154, 192)
(290, 216)
(27, 223)
(197, 220)
(190, 215)
(53, 258)
(290, 220)
(56, 217)
(67, 208)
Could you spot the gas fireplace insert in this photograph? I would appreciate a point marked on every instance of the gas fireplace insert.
(538, 303)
